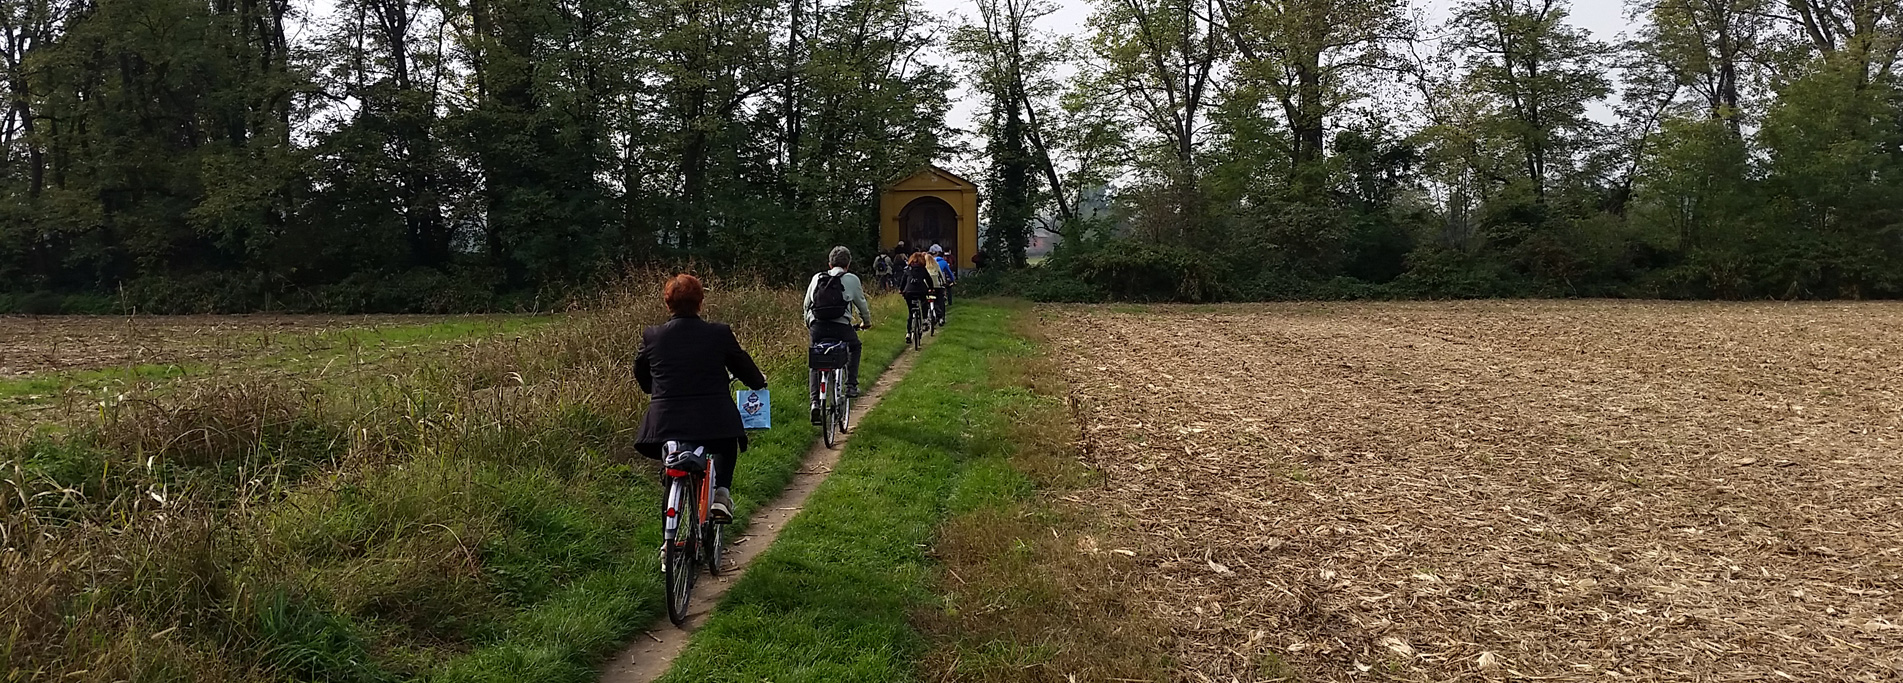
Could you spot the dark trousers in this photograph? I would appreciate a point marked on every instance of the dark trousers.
(943, 294)
(828, 331)
(914, 303)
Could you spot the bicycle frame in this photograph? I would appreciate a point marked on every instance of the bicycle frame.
(677, 489)
(830, 382)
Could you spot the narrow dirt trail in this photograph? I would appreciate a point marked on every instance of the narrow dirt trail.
(652, 652)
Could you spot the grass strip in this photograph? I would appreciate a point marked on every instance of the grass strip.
(564, 637)
(1034, 590)
(834, 598)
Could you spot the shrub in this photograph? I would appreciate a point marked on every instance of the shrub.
(1036, 283)
(1445, 273)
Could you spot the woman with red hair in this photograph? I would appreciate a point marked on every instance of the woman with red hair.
(684, 363)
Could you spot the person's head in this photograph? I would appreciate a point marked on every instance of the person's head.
(839, 257)
(918, 259)
(936, 250)
(683, 295)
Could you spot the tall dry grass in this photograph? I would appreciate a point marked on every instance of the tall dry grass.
(382, 525)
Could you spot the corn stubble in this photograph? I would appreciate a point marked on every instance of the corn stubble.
(348, 524)
(1563, 491)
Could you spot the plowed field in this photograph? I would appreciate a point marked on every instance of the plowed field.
(1572, 491)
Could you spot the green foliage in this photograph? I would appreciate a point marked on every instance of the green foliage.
(431, 157)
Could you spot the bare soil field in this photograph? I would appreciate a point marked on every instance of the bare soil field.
(32, 345)
(1570, 491)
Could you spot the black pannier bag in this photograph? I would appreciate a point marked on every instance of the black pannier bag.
(828, 356)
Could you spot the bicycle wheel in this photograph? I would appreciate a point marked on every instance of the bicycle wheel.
(915, 327)
(845, 410)
(679, 555)
(713, 535)
(826, 408)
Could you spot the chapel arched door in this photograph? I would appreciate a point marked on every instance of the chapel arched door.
(928, 221)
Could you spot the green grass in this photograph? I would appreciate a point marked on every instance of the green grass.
(375, 341)
(279, 352)
(38, 387)
(468, 513)
(832, 600)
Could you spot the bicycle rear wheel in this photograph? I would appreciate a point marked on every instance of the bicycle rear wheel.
(681, 553)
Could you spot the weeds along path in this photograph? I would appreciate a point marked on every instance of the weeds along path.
(651, 653)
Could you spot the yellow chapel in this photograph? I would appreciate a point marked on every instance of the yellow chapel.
(932, 206)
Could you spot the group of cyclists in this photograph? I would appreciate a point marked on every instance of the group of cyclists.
(686, 363)
(919, 276)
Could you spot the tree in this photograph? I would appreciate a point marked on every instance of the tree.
(1704, 46)
(1536, 75)
(1159, 58)
(1308, 56)
(1012, 63)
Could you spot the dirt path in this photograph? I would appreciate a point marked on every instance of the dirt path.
(652, 652)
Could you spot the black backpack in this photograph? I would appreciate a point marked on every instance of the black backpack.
(917, 281)
(829, 298)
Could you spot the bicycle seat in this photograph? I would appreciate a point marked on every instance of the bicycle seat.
(684, 456)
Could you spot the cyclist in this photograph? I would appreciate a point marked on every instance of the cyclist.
(684, 364)
(918, 280)
(950, 279)
(830, 300)
(882, 267)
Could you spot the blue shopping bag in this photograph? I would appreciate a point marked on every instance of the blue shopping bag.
(756, 408)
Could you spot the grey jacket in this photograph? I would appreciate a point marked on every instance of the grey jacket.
(855, 298)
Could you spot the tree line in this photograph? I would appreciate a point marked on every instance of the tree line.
(440, 154)
(1355, 148)
(452, 154)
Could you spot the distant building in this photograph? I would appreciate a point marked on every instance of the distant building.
(932, 206)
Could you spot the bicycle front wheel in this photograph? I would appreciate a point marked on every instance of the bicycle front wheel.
(712, 535)
(845, 414)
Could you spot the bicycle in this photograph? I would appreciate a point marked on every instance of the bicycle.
(690, 536)
(827, 360)
(915, 325)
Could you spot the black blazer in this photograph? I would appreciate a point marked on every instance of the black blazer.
(684, 363)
